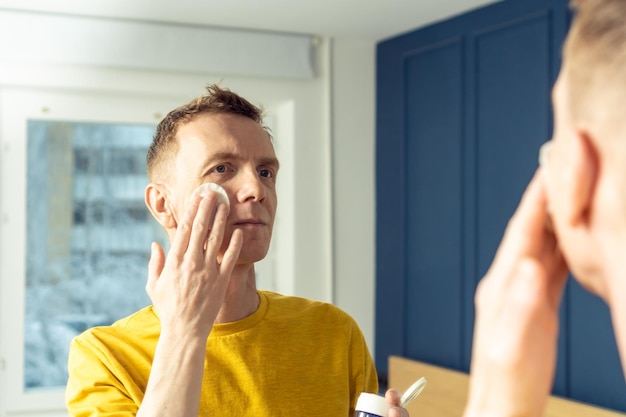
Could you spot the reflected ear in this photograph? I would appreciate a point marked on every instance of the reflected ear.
(584, 176)
(158, 203)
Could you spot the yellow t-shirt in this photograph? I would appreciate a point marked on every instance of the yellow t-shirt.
(292, 357)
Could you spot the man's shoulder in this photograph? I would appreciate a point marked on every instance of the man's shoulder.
(294, 306)
(143, 322)
(314, 320)
(293, 301)
(143, 319)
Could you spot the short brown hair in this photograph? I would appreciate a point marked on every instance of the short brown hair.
(595, 53)
(216, 100)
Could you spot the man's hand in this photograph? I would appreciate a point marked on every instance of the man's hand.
(393, 398)
(517, 303)
(188, 290)
(188, 287)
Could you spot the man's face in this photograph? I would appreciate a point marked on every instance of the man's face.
(236, 153)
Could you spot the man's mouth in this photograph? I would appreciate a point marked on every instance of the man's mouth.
(249, 222)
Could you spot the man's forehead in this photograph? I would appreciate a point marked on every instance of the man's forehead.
(216, 124)
(224, 137)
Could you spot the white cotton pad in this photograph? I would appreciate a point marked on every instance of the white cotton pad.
(222, 197)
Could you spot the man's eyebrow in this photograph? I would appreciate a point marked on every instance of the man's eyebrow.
(220, 156)
(225, 156)
(272, 162)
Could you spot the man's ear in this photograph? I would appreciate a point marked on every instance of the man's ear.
(584, 176)
(158, 203)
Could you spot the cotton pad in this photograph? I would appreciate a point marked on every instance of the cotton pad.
(202, 191)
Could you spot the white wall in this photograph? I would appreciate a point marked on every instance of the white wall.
(353, 121)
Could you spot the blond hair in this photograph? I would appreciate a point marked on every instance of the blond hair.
(217, 100)
(595, 58)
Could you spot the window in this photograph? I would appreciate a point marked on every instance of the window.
(88, 234)
(75, 234)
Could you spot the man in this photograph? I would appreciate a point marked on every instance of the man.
(212, 344)
(572, 216)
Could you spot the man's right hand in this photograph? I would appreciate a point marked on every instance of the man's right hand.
(188, 287)
(517, 307)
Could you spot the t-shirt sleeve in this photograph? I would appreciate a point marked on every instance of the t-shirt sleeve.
(364, 376)
(92, 388)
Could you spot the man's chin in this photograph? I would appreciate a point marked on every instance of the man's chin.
(251, 256)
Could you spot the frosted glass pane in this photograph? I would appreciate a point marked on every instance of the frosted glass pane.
(88, 236)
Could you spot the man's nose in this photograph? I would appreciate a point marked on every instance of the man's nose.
(251, 187)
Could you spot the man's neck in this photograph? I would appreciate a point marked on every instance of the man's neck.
(241, 298)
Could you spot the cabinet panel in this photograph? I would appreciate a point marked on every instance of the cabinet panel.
(513, 84)
(434, 130)
(595, 374)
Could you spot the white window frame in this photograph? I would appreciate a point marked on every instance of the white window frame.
(25, 105)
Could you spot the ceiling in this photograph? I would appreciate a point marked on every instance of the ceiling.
(360, 19)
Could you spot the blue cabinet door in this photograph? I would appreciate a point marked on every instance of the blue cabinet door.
(462, 108)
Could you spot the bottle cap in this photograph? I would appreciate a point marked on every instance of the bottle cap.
(372, 404)
(413, 391)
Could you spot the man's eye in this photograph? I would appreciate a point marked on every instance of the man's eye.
(220, 168)
(266, 173)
